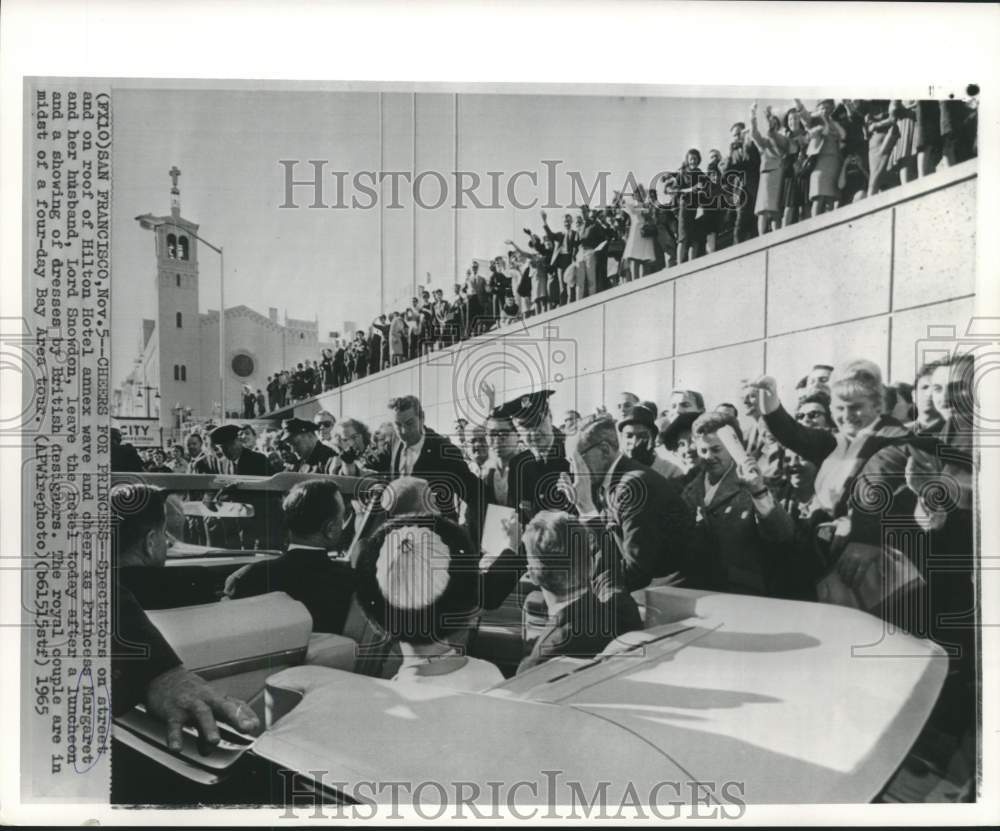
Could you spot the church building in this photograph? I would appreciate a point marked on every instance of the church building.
(175, 376)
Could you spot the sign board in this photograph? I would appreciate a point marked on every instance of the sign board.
(140, 432)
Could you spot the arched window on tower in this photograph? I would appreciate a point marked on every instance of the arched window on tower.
(171, 247)
(184, 372)
(183, 245)
(180, 321)
(177, 373)
(178, 280)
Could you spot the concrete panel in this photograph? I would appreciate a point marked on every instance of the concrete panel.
(717, 374)
(914, 341)
(935, 246)
(585, 328)
(792, 356)
(651, 381)
(582, 394)
(838, 274)
(639, 326)
(722, 305)
(404, 381)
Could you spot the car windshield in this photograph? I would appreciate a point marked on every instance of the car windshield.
(217, 515)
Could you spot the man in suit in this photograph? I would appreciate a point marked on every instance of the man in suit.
(586, 609)
(263, 529)
(422, 453)
(314, 517)
(588, 259)
(652, 527)
(314, 456)
(144, 667)
(477, 283)
(199, 460)
(245, 462)
(564, 245)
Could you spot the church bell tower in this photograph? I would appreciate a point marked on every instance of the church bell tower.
(177, 321)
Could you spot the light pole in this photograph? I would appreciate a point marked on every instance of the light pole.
(147, 224)
(148, 390)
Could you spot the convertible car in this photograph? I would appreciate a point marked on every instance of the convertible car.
(724, 699)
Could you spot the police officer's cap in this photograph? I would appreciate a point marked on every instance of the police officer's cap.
(529, 408)
(293, 426)
(225, 434)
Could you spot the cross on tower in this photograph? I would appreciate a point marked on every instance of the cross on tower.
(174, 173)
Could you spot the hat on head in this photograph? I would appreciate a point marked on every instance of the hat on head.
(417, 578)
(225, 434)
(640, 414)
(670, 430)
(528, 408)
(293, 426)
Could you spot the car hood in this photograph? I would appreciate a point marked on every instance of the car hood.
(796, 702)
(359, 735)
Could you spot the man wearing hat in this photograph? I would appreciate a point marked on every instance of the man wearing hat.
(532, 484)
(675, 436)
(245, 462)
(534, 472)
(314, 456)
(124, 457)
(638, 440)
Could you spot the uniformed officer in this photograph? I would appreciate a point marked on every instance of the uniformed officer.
(314, 456)
(538, 479)
(536, 473)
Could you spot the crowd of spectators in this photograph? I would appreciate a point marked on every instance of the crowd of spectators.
(761, 497)
(779, 168)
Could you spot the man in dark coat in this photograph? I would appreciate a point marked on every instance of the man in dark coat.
(124, 457)
(314, 517)
(586, 609)
(264, 528)
(315, 457)
(654, 529)
(422, 453)
(245, 462)
(144, 667)
(536, 481)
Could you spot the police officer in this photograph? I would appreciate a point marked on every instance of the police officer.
(537, 481)
(314, 456)
(536, 472)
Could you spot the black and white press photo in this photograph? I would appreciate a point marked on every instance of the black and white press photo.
(505, 449)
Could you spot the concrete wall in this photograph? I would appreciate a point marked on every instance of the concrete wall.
(866, 280)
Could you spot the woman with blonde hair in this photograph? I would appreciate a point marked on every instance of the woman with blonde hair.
(862, 430)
